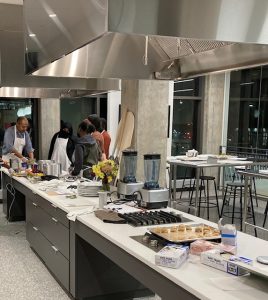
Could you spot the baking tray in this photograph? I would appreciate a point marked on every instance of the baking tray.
(19, 174)
(176, 234)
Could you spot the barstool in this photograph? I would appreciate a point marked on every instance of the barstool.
(242, 168)
(265, 214)
(234, 188)
(207, 203)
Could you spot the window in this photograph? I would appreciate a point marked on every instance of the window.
(75, 110)
(184, 130)
(248, 106)
(185, 122)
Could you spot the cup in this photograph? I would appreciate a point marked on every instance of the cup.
(102, 198)
(223, 150)
(189, 153)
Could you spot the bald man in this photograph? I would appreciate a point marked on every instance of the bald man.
(16, 140)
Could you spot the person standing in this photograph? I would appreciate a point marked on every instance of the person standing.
(106, 137)
(95, 120)
(62, 146)
(87, 151)
(16, 140)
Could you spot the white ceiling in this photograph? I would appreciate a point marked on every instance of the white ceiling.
(17, 2)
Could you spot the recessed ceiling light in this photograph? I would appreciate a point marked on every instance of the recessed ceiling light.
(52, 15)
(32, 34)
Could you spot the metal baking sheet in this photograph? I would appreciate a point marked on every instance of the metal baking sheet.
(175, 234)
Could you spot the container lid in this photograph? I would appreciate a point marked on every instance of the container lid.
(129, 152)
(152, 156)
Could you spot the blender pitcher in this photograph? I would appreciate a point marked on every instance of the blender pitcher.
(151, 171)
(128, 166)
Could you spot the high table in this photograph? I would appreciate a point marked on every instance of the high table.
(175, 162)
(91, 258)
(248, 175)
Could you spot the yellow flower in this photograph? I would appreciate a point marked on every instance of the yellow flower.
(107, 168)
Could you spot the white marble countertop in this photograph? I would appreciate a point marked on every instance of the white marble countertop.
(195, 162)
(202, 281)
(66, 204)
(192, 275)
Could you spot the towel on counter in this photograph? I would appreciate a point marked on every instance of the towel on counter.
(72, 215)
(109, 216)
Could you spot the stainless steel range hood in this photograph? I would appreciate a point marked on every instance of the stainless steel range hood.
(137, 39)
(14, 82)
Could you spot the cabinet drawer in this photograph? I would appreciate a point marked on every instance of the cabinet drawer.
(50, 208)
(49, 226)
(50, 255)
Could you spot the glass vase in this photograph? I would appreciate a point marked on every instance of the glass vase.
(105, 184)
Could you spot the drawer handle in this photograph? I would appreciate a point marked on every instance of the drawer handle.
(34, 204)
(55, 249)
(53, 205)
(35, 228)
(55, 220)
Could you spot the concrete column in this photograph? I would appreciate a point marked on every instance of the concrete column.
(212, 115)
(49, 124)
(148, 100)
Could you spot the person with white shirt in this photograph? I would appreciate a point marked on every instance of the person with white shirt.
(17, 139)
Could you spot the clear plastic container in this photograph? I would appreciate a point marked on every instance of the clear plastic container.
(128, 166)
(151, 170)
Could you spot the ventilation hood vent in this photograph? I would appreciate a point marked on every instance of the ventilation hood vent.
(14, 82)
(137, 39)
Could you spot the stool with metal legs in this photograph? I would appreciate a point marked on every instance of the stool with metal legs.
(207, 203)
(239, 168)
(234, 189)
(186, 188)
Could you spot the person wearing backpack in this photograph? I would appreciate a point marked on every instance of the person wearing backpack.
(87, 150)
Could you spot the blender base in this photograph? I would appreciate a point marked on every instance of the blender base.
(128, 190)
(153, 199)
(153, 205)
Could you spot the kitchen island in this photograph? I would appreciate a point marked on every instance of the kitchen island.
(104, 261)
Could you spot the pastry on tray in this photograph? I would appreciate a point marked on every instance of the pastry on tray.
(182, 232)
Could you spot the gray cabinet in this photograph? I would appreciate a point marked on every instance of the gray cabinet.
(57, 263)
(47, 232)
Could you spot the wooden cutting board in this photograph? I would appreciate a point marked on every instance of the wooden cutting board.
(124, 133)
(127, 132)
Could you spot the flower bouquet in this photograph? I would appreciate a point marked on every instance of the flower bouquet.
(106, 171)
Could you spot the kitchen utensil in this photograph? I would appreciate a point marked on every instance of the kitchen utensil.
(42, 162)
(124, 133)
(52, 169)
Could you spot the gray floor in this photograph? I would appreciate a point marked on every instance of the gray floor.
(22, 275)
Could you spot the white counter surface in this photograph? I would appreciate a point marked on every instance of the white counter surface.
(202, 281)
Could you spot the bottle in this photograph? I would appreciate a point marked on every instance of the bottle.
(35, 168)
(14, 164)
